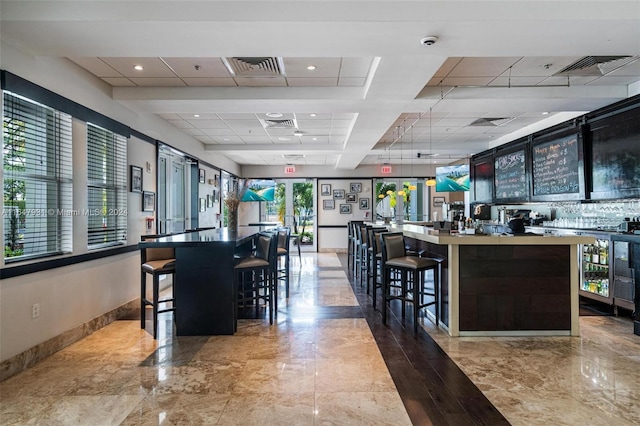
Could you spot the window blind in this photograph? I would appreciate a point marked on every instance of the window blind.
(107, 186)
(37, 167)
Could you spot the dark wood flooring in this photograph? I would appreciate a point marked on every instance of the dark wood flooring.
(434, 390)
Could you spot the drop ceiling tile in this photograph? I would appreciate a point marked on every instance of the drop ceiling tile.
(208, 67)
(158, 81)
(201, 116)
(310, 139)
(338, 131)
(351, 82)
(261, 81)
(340, 124)
(210, 82)
(170, 116)
(153, 67)
(193, 132)
(219, 132)
(355, 67)
(315, 123)
(181, 124)
(312, 81)
(119, 82)
(207, 124)
(336, 139)
(482, 67)
(236, 116)
(325, 67)
(344, 116)
(280, 132)
(96, 67)
(244, 124)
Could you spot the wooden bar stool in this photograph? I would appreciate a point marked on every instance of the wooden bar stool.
(411, 270)
(156, 262)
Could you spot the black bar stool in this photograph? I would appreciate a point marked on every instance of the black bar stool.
(411, 269)
(255, 275)
(156, 262)
(284, 240)
(375, 260)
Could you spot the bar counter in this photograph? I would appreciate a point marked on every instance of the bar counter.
(499, 285)
(203, 285)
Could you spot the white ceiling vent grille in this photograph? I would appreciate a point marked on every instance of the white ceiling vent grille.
(294, 158)
(255, 66)
(596, 65)
(491, 122)
(279, 124)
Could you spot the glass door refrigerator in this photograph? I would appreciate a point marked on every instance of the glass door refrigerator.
(596, 276)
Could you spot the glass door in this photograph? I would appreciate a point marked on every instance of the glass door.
(173, 192)
(294, 205)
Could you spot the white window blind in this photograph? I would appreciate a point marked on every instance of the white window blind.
(107, 185)
(37, 179)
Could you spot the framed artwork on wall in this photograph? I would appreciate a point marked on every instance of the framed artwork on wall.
(352, 198)
(201, 175)
(345, 208)
(356, 187)
(328, 204)
(325, 189)
(136, 179)
(338, 194)
(364, 204)
(148, 201)
(202, 205)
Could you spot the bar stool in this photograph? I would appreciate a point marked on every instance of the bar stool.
(411, 269)
(375, 260)
(156, 262)
(351, 244)
(261, 268)
(284, 239)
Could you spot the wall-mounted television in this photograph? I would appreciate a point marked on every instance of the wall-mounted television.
(259, 190)
(452, 178)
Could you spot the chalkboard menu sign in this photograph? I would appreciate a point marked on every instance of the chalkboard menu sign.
(510, 177)
(556, 167)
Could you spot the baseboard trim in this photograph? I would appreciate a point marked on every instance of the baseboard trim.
(30, 357)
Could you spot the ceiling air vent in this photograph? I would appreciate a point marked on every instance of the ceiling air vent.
(255, 66)
(596, 65)
(491, 122)
(279, 124)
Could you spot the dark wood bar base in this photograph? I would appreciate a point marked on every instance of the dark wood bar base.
(515, 287)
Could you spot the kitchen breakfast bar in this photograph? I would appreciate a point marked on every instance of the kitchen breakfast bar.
(204, 286)
(504, 285)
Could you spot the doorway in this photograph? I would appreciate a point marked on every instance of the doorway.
(294, 205)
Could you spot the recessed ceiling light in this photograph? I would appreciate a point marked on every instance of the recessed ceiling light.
(313, 115)
(196, 115)
(284, 139)
(545, 113)
(225, 139)
(138, 67)
(274, 114)
(311, 67)
(315, 139)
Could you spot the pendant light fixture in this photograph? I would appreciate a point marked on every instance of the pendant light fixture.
(412, 187)
(431, 181)
(401, 191)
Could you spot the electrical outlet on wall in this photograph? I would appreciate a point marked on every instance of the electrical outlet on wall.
(35, 310)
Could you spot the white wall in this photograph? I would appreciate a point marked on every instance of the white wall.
(72, 295)
(211, 216)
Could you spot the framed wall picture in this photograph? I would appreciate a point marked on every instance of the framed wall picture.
(328, 204)
(364, 204)
(356, 187)
(345, 208)
(148, 201)
(338, 194)
(201, 176)
(136, 179)
(325, 189)
(209, 200)
(352, 198)
(202, 205)
(438, 201)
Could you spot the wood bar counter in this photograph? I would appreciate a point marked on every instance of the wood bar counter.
(495, 285)
(204, 278)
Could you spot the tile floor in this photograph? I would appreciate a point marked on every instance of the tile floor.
(329, 360)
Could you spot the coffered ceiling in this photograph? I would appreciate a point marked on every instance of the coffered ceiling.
(344, 83)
